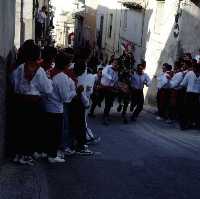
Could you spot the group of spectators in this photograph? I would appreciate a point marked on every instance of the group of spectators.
(178, 96)
(48, 97)
(50, 92)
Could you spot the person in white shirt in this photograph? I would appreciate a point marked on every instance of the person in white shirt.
(138, 80)
(177, 92)
(78, 107)
(191, 83)
(40, 23)
(97, 96)
(87, 79)
(163, 94)
(64, 91)
(197, 57)
(30, 84)
(109, 82)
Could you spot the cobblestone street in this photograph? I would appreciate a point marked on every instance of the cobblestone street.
(143, 160)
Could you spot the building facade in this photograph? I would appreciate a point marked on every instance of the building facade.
(85, 23)
(24, 21)
(108, 27)
(156, 30)
(64, 28)
(26, 11)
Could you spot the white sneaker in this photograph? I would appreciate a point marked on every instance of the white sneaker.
(94, 141)
(69, 152)
(22, 160)
(56, 160)
(16, 158)
(44, 155)
(169, 121)
(37, 155)
(86, 146)
(26, 160)
(85, 152)
(159, 118)
(60, 154)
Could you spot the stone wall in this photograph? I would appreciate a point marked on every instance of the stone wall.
(159, 45)
(7, 29)
(152, 32)
(165, 47)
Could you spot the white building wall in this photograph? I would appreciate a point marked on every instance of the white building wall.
(190, 29)
(28, 20)
(18, 24)
(24, 22)
(158, 30)
(153, 33)
(131, 30)
(105, 8)
(164, 47)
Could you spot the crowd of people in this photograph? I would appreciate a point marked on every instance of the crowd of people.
(52, 92)
(49, 94)
(178, 92)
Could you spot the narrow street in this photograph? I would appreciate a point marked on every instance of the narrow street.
(60, 58)
(144, 160)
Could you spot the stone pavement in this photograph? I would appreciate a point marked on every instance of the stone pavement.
(22, 182)
(147, 159)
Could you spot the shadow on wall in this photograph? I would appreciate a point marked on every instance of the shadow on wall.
(196, 2)
(187, 41)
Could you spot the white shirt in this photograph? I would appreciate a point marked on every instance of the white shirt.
(87, 81)
(109, 76)
(64, 90)
(191, 82)
(41, 17)
(163, 81)
(39, 85)
(197, 57)
(176, 81)
(138, 81)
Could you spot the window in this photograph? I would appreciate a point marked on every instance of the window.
(160, 13)
(110, 26)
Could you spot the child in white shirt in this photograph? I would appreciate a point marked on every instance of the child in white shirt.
(138, 80)
(191, 83)
(64, 90)
(30, 84)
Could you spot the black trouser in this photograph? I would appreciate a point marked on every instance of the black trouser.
(125, 99)
(77, 123)
(191, 110)
(137, 101)
(54, 127)
(176, 103)
(27, 124)
(109, 99)
(97, 98)
(163, 102)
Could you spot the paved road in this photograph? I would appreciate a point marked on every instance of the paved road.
(143, 160)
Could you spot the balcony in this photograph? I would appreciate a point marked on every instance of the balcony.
(133, 4)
